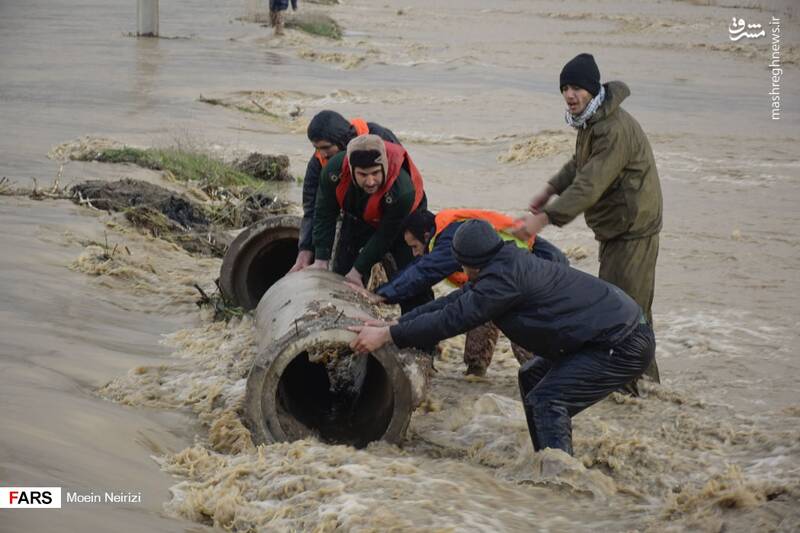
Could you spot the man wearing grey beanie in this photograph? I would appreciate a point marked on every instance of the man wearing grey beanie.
(589, 337)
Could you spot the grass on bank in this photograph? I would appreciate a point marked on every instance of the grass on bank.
(315, 24)
(183, 165)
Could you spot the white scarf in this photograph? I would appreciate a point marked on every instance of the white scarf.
(581, 120)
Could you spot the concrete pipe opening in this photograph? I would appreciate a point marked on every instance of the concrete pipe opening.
(355, 410)
(259, 256)
(294, 393)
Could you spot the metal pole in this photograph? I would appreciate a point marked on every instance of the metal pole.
(147, 18)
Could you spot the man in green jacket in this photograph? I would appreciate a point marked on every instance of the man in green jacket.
(612, 179)
(376, 185)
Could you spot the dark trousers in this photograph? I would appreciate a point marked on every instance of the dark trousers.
(353, 235)
(553, 391)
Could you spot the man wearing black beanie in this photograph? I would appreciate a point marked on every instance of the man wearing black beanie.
(589, 337)
(581, 71)
(611, 179)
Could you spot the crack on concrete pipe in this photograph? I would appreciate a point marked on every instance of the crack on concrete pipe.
(257, 258)
(305, 381)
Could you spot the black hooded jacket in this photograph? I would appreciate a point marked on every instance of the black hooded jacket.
(332, 127)
(545, 307)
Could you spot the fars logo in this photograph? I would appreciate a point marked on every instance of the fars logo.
(30, 497)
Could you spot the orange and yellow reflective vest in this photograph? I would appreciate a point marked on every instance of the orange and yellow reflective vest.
(499, 221)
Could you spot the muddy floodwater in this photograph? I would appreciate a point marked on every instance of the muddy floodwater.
(111, 379)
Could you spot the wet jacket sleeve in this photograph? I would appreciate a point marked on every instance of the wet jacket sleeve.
(310, 186)
(424, 273)
(564, 177)
(488, 298)
(394, 212)
(435, 305)
(326, 210)
(606, 161)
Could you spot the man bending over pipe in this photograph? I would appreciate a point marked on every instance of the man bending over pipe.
(589, 337)
(375, 185)
(430, 237)
(329, 133)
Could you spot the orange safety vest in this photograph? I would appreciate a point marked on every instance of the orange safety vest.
(398, 159)
(361, 129)
(499, 222)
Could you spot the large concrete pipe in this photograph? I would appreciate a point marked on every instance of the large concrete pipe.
(305, 381)
(259, 256)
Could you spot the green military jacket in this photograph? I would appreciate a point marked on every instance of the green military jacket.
(397, 204)
(612, 177)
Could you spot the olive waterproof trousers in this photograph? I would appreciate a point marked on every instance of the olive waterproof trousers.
(631, 266)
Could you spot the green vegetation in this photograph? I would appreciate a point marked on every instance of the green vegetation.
(315, 24)
(223, 308)
(182, 164)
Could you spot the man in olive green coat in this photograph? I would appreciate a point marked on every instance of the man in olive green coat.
(612, 179)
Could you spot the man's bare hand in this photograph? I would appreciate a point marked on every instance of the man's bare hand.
(304, 259)
(530, 225)
(371, 296)
(318, 265)
(541, 199)
(369, 338)
(354, 277)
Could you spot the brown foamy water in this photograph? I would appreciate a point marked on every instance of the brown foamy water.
(113, 379)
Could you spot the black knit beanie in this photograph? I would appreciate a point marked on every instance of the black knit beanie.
(476, 243)
(332, 127)
(365, 158)
(581, 71)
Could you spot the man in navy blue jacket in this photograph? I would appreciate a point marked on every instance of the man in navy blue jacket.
(589, 337)
(430, 236)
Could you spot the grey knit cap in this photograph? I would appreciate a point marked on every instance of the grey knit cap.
(476, 243)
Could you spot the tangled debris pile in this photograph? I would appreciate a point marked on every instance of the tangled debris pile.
(165, 214)
(266, 167)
